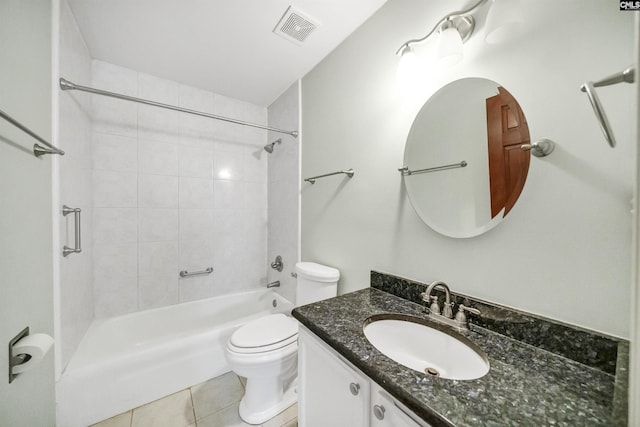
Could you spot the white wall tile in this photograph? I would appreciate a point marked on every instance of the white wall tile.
(155, 123)
(115, 225)
(197, 287)
(111, 116)
(158, 124)
(156, 157)
(158, 89)
(255, 247)
(196, 255)
(115, 297)
(255, 162)
(114, 189)
(115, 270)
(196, 162)
(255, 196)
(199, 100)
(114, 152)
(157, 257)
(234, 147)
(115, 260)
(228, 165)
(157, 191)
(114, 78)
(76, 187)
(283, 197)
(228, 194)
(158, 290)
(74, 125)
(228, 250)
(74, 132)
(158, 224)
(196, 224)
(196, 193)
(157, 178)
(229, 107)
(114, 115)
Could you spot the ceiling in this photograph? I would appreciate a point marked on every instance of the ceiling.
(225, 46)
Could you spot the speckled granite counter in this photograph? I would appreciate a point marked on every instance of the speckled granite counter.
(526, 386)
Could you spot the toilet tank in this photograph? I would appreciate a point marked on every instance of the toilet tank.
(315, 282)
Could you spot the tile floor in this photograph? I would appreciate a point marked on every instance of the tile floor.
(213, 403)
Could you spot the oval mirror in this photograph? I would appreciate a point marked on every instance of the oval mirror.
(463, 165)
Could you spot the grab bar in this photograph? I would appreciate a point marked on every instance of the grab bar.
(66, 250)
(348, 172)
(38, 150)
(185, 273)
(626, 76)
(406, 171)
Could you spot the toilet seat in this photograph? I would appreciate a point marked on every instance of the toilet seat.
(265, 334)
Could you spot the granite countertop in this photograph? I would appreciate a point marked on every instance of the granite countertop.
(525, 385)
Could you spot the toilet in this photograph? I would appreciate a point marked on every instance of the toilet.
(265, 350)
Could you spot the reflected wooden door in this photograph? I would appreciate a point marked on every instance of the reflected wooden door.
(507, 130)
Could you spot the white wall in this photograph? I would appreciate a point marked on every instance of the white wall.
(174, 192)
(26, 284)
(564, 250)
(75, 189)
(284, 190)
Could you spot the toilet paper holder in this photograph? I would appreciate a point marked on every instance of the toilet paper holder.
(17, 359)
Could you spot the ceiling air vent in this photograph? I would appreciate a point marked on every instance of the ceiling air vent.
(295, 26)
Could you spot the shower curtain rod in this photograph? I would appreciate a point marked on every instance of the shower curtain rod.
(67, 85)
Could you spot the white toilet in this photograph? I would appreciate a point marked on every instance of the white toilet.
(265, 350)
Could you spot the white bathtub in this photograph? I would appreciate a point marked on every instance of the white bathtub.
(126, 361)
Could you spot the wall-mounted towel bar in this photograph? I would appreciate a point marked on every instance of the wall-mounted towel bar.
(38, 150)
(348, 172)
(185, 273)
(626, 76)
(406, 171)
(67, 85)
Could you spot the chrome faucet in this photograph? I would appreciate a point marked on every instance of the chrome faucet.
(446, 315)
(275, 284)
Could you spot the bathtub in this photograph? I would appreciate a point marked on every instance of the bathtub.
(127, 361)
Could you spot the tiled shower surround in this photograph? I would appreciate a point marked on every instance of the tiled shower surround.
(160, 191)
(172, 192)
(163, 191)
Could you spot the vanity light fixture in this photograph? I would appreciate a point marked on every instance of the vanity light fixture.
(456, 28)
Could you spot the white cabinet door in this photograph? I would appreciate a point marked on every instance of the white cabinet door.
(386, 413)
(331, 393)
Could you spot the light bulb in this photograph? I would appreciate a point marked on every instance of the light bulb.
(449, 49)
(409, 71)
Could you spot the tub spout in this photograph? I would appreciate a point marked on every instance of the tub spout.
(275, 284)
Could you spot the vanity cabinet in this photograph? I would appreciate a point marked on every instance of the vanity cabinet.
(332, 392)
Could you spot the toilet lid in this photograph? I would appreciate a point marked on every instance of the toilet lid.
(266, 332)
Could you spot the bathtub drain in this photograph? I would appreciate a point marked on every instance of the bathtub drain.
(274, 303)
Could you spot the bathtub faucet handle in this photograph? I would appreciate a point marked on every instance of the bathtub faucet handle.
(277, 264)
(275, 284)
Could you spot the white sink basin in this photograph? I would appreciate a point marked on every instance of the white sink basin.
(426, 349)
